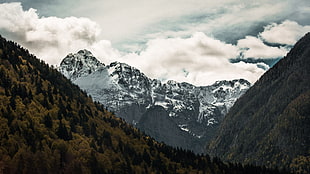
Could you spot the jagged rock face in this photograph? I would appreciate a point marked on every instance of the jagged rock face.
(195, 111)
(80, 64)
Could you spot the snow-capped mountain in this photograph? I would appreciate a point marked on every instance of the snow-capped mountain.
(189, 114)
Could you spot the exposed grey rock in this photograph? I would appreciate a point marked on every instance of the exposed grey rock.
(193, 113)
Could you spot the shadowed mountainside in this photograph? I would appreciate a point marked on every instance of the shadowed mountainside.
(270, 124)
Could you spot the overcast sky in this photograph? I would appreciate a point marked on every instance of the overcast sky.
(197, 41)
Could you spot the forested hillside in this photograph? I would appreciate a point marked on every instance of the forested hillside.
(270, 124)
(48, 125)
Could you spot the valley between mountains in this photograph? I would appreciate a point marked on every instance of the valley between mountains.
(49, 125)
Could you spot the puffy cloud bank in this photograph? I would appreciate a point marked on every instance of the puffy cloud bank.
(254, 47)
(51, 38)
(286, 33)
(199, 59)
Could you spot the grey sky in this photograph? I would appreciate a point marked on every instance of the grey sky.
(129, 22)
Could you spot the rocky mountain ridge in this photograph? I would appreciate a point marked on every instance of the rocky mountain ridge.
(195, 111)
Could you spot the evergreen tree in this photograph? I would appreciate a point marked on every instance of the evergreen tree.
(48, 121)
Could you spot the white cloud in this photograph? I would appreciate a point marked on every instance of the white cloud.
(104, 51)
(206, 59)
(52, 38)
(288, 32)
(253, 47)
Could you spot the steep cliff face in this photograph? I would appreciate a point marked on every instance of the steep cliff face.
(195, 111)
(269, 125)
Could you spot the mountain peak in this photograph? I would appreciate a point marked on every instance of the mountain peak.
(85, 52)
(79, 64)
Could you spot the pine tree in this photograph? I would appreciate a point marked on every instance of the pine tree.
(48, 122)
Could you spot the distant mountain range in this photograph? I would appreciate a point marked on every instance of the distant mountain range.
(270, 124)
(189, 115)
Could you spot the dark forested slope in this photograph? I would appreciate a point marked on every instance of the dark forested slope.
(270, 124)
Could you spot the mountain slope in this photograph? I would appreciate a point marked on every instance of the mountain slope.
(157, 123)
(48, 125)
(195, 112)
(270, 124)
